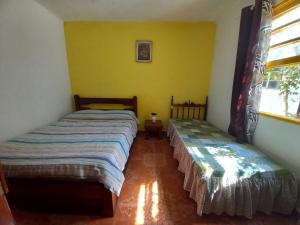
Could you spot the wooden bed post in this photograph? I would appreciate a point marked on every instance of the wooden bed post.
(77, 102)
(171, 113)
(206, 106)
(3, 181)
(135, 105)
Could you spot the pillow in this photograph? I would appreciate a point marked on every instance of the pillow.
(102, 115)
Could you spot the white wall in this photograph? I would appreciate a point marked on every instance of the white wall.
(34, 82)
(280, 140)
(228, 24)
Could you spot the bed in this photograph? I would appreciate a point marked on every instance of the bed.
(74, 165)
(223, 176)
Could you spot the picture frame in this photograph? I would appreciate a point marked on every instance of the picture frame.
(143, 51)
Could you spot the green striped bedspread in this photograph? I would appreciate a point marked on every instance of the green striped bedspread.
(87, 145)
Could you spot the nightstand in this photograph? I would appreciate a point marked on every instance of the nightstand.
(153, 128)
(6, 217)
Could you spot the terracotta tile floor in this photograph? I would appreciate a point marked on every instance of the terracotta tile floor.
(152, 194)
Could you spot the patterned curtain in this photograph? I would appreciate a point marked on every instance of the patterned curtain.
(249, 69)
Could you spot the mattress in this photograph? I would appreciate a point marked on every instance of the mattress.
(223, 176)
(91, 145)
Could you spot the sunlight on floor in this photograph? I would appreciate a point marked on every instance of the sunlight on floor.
(154, 209)
(140, 214)
(151, 191)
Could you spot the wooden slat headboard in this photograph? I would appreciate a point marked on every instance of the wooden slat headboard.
(81, 103)
(188, 110)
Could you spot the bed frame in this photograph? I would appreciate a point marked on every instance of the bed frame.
(83, 103)
(188, 110)
(68, 196)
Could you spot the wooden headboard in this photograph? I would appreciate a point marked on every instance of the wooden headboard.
(188, 110)
(82, 103)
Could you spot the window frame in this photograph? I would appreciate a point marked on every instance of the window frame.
(280, 9)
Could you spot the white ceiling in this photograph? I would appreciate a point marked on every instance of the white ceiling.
(134, 10)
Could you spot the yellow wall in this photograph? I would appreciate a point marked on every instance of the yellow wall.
(102, 62)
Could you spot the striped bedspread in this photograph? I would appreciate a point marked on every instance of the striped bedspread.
(89, 144)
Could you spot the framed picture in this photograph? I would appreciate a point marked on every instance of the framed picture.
(143, 51)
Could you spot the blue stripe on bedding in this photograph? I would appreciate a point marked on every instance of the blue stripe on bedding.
(66, 142)
(61, 157)
(47, 133)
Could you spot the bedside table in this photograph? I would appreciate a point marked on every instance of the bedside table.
(6, 217)
(153, 128)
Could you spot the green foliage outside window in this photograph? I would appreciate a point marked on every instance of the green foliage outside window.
(288, 78)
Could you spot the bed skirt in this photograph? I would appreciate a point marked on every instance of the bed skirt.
(264, 193)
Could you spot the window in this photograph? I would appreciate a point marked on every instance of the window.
(281, 86)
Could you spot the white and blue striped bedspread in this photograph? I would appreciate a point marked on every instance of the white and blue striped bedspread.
(90, 145)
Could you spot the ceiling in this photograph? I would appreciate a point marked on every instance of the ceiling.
(134, 10)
